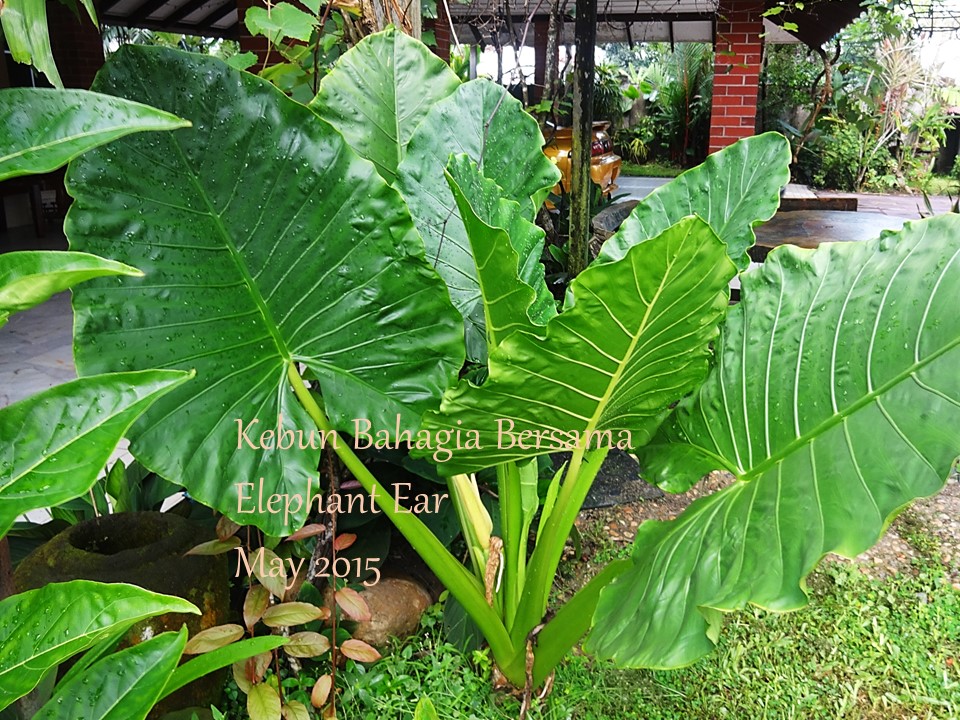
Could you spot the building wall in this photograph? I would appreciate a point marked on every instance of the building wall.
(738, 50)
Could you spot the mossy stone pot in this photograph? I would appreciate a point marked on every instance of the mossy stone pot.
(145, 549)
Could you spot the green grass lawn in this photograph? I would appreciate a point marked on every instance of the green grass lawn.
(864, 648)
(649, 170)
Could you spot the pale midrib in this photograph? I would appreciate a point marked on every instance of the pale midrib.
(67, 139)
(842, 415)
(625, 360)
(255, 293)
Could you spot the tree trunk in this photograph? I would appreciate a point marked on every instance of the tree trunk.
(580, 184)
(405, 14)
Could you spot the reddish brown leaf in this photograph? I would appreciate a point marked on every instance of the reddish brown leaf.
(270, 570)
(353, 605)
(321, 691)
(226, 527)
(307, 531)
(358, 650)
(254, 605)
(343, 541)
(241, 676)
(213, 639)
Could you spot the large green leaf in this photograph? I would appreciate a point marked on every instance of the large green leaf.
(25, 30)
(266, 242)
(44, 129)
(41, 628)
(835, 403)
(121, 686)
(482, 121)
(378, 93)
(514, 297)
(30, 277)
(733, 190)
(636, 340)
(55, 443)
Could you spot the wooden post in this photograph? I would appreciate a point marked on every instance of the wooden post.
(585, 34)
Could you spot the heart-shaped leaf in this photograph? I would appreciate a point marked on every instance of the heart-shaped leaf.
(734, 190)
(481, 120)
(836, 401)
(122, 686)
(44, 129)
(378, 93)
(636, 340)
(280, 21)
(55, 443)
(41, 628)
(269, 244)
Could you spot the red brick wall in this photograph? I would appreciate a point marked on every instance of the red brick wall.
(249, 43)
(77, 47)
(738, 48)
(441, 31)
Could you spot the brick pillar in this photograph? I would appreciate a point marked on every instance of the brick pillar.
(441, 31)
(256, 44)
(77, 46)
(738, 49)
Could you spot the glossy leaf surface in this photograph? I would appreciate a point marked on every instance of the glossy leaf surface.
(27, 37)
(122, 686)
(734, 190)
(481, 120)
(268, 243)
(44, 128)
(378, 93)
(41, 628)
(636, 339)
(514, 295)
(209, 662)
(30, 277)
(55, 443)
(836, 402)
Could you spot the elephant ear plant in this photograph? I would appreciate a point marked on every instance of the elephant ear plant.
(54, 444)
(325, 264)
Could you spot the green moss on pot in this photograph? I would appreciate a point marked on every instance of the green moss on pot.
(145, 549)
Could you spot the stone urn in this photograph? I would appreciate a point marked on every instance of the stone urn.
(145, 549)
